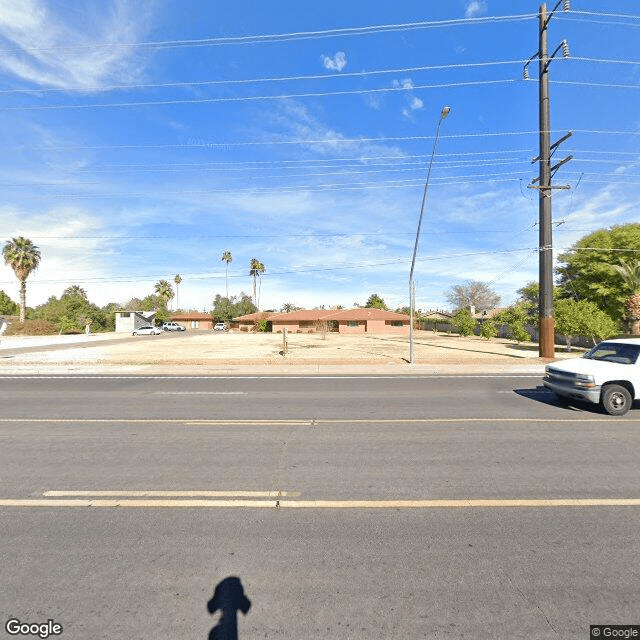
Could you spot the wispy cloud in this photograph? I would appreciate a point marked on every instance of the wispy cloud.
(86, 51)
(413, 102)
(337, 63)
(475, 8)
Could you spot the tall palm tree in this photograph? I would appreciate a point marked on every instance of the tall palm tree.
(631, 276)
(256, 269)
(23, 257)
(164, 291)
(177, 280)
(75, 290)
(227, 257)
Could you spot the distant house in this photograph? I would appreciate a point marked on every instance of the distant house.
(437, 315)
(129, 320)
(359, 320)
(194, 320)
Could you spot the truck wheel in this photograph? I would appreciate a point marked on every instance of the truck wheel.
(616, 400)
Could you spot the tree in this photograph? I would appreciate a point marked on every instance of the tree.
(256, 269)
(75, 290)
(226, 258)
(225, 309)
(7, 306)
(515, 317)
(23, 257)
(488, 329)
(588, 271)
(177, 280)
(375, 302)
(288, 307)
(164, 291)
(472, 293)
(464, 321)
(73, 312)
(630, 273)
(582, 318)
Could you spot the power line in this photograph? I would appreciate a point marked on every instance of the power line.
(608, 85)
(316, 94)
(350, 74)
(330, 141)
(302, 269)
(285, 37)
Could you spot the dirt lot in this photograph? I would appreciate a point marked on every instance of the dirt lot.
(234, 348)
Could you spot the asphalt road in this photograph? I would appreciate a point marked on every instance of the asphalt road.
(347, 506)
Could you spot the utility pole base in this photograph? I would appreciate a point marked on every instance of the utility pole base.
(547, 337)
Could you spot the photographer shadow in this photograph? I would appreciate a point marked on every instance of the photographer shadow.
(228, 598)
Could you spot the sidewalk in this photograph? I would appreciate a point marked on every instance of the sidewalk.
(209, 353)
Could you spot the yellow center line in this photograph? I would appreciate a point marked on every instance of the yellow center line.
(328, 504)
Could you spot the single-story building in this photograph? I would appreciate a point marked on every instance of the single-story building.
(194, 321)
(359, 320)
(129, 320)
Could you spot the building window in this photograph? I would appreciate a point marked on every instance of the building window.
(195, 324)
(352, 323)
(125, 314)
(396, 323)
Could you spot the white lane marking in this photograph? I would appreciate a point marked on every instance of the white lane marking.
(239, 376)
(328, 504)
(200, 393)
(171, 494)
(203, 422)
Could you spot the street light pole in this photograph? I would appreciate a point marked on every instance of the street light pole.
(412, 289)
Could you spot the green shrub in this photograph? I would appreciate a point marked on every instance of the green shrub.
(464, 322)
(488, 329)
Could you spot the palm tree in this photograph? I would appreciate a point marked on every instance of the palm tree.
(23, 257)
(227, 257)
(164, 291)
(75, 290)
(256, 268)
(631, 276)
(177, 280)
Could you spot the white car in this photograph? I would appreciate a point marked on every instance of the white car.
(608, 375)
(220, 326)
(147, 330)
(173, 326)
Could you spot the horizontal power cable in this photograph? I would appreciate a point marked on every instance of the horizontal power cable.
(299, 78)
(285, 37)
(323, 141)
(311, 94)
(325, 76)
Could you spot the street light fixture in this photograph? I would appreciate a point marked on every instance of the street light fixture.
(412, 297)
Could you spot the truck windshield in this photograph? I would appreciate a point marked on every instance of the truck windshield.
(614, 352)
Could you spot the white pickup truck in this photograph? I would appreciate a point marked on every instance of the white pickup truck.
(608, 375)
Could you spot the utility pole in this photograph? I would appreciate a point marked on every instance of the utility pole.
(546, 320)
(546, 341)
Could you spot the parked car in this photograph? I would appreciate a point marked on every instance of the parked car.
(220, 326)
(147, 330)
(172, 326)
(608, 375)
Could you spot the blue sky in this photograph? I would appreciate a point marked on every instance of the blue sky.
(141, 140)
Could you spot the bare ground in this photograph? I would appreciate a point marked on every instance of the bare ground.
(235, 348)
